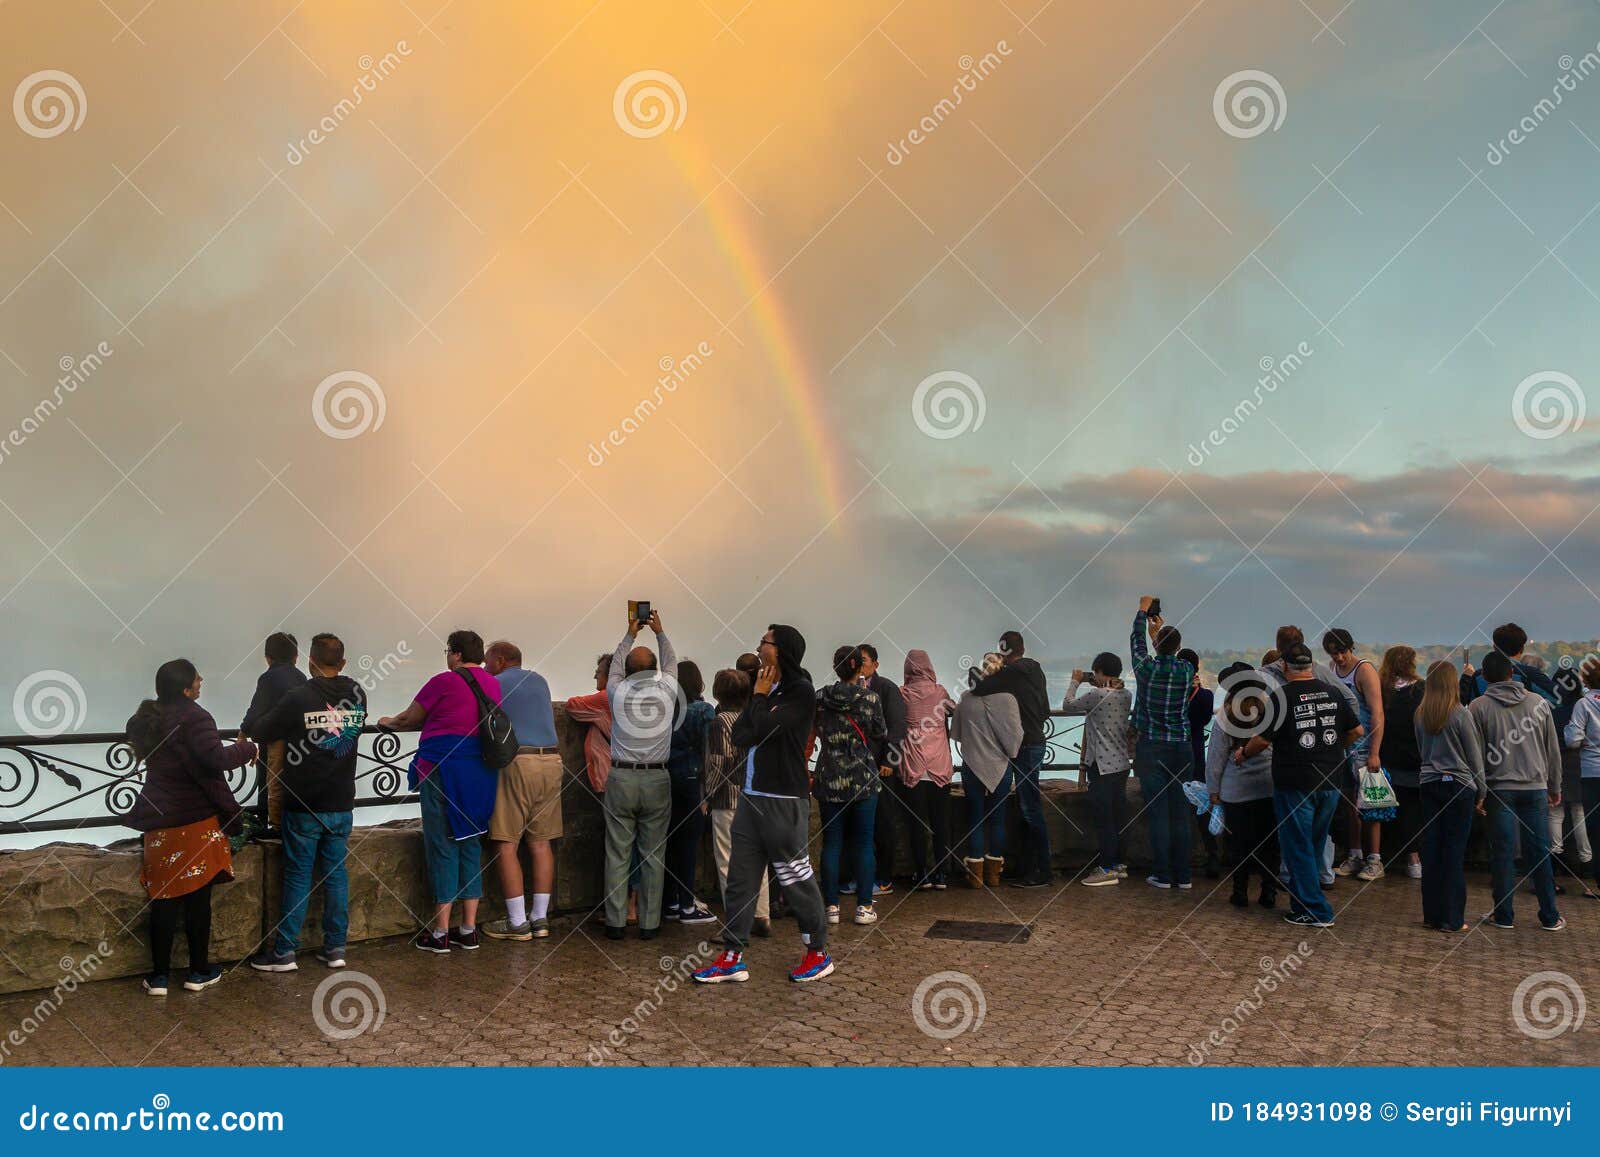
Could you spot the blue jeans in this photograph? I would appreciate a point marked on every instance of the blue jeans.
(854, 822)
(1304, 818)
(1035, 835)
(314, 847)
(986, 815)
(1162, 769)
(454, 868)
(1446, 823)
(1524, 812)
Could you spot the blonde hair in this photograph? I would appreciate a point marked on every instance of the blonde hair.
(1440, 697)
(992, 662)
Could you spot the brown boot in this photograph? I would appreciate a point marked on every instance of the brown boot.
(972, 873)
(992, 867)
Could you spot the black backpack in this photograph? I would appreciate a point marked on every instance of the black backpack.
(496, 739)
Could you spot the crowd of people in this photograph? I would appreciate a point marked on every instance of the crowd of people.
(1280, 768)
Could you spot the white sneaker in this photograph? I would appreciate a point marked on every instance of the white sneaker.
(866, 915)
(1352, 865)
(1414, 869)
(1372, 869)
(833, 913)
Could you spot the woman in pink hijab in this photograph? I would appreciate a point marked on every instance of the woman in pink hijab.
(925, 768)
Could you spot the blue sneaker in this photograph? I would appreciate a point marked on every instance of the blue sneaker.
(198, 980)
(813, 966)
(332, 957)
(155, 984)
(728, 966)
(269, 961)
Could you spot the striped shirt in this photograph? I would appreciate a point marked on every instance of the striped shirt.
(1160, 713)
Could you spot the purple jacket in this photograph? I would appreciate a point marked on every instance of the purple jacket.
(184, 777)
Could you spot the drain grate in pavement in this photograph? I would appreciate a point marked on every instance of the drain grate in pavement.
(984, 931)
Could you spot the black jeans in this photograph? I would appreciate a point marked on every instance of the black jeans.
(1447, 822)
(1410, 820)
(930, 805)
(1253, 842)
(1591, 821)
(683, 844)
(886, 828)
(195, 911)
(1108, 802)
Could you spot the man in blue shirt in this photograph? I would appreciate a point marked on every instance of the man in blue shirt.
(527, 805)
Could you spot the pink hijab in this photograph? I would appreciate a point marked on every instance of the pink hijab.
(928, 704)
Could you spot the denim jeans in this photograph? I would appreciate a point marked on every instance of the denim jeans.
(1446, 824)
(1591, 820)
(1108, 800)
(314, 848)
(1035, 857)
(986, 814)
(851, 822)
(1524, 813)
(1162, 768)
(683, 844)
(1303, 821)
(455, 870)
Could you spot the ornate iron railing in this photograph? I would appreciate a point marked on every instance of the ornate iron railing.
(101, 791)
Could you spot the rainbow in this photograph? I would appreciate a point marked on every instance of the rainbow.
(776, 331)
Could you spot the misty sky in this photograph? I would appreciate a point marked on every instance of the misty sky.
(483, 240)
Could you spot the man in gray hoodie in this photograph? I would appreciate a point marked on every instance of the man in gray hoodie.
(1522, 755)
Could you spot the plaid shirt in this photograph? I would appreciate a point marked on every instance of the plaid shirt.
(1160, 713)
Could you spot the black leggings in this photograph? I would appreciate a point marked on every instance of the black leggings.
(195, 909)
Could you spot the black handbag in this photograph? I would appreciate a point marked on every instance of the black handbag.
(497, 741)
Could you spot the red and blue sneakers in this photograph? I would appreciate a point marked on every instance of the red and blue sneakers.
(728, 966)
(813, 966)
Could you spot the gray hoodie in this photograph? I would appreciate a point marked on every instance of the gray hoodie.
(988, 729)
(1522, 751)
(1457, 751)
(1231, 782)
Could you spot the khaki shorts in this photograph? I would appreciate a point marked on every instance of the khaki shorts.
(528, 800)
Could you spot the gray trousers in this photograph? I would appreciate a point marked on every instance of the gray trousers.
(638, 807)
(771, 833)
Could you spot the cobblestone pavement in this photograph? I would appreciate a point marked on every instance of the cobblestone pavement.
(1111, 976)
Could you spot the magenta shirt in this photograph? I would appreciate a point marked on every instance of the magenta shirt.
(451, 706)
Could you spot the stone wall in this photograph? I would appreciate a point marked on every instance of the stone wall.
(59, 902)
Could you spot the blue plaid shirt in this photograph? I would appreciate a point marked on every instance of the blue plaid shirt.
(1160, 712)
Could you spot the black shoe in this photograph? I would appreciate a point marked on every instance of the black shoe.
(649, 933)
(613, 932)
(761, 926)
(1036, 880)
(1012, 871)
(430, 941)
(1213, 868)
(1268, 899)
(467, 941)
(1239, 900)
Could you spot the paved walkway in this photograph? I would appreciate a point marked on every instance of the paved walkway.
(1112, 976)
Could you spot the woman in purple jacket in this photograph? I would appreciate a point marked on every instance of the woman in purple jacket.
(183, 809)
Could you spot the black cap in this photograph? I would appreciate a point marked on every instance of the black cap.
(1299, 656)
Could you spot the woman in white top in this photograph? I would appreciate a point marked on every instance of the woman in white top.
(1106, 706)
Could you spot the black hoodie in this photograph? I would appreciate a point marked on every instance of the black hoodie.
(321, 720)
(777, 727)
(1023, 678)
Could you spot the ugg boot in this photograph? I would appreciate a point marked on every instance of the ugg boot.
(992, 867)
(972, 873)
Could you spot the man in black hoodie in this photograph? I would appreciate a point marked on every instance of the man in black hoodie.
(282, 652)
(320, 723)
(773, 820)
(892, 805)
(1023, 678)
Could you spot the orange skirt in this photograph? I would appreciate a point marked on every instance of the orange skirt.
(178, 861)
